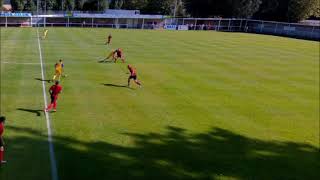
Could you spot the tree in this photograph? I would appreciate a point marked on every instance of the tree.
(316, 10)
(275, 10)
(267, 9)
(135, 4)
(88, 5)
(145, 6)
(116, 4)
(69, 5)
(180, 10)
(78, 4)
(29, 6)
(199, 8)
(102, 5)
(48, 4)
(301, 9)
(93, 5)
(17, 5)
(159, 7)
(226, 8)
(245, 8)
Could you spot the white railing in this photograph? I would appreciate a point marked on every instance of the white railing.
(233, 25)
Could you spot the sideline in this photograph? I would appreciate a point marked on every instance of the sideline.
(54, 171)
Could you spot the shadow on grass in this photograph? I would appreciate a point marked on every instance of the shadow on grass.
(46, 80)
(118, 86)
(104, 61)
(177, 154)
(37, 112)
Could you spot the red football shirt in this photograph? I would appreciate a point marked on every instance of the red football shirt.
(55, 90)
(119, 53)
(1, 129)
(133, 72)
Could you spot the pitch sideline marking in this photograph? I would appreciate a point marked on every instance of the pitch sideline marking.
(5, 62)
(54, 171)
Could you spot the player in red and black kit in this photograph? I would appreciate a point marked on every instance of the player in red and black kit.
(54, 91)
(109, 39)
(2, 119)
(133, 75)
(118, 54)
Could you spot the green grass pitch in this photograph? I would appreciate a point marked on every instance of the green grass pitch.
(213, 105)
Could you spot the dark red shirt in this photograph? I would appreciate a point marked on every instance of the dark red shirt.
(133, 71)
(119, 53)
(55, 90)
(1, 128)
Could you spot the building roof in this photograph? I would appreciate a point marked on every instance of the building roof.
(7, 7)
(121, 12)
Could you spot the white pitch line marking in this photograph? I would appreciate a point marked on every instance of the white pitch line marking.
(20, 63)
(54, 171)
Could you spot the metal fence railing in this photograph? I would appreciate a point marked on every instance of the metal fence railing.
(232, 25)
(251, 26)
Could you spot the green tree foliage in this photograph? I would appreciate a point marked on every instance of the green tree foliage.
(180, 10)
(102, 5)
(29, 6)
(301, 9)
(245, 8)
(200, 8)
(69, 5)
(79, 4)
(316, 10)
(288, 10)
(148, 6)
(18, 5)
(92, 5)
(135, 4)
(278, 10)
(117, 4)
(159, 7)
(226, 8)
(268, 8)
(48, 4)
(88, 6)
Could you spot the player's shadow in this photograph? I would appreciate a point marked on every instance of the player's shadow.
(37, 112)
(103, 61)
(117, 86)
(46, 80)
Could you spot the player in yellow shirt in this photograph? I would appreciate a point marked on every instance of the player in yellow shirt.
(62, 68)
(58, 71)
(45, 34)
